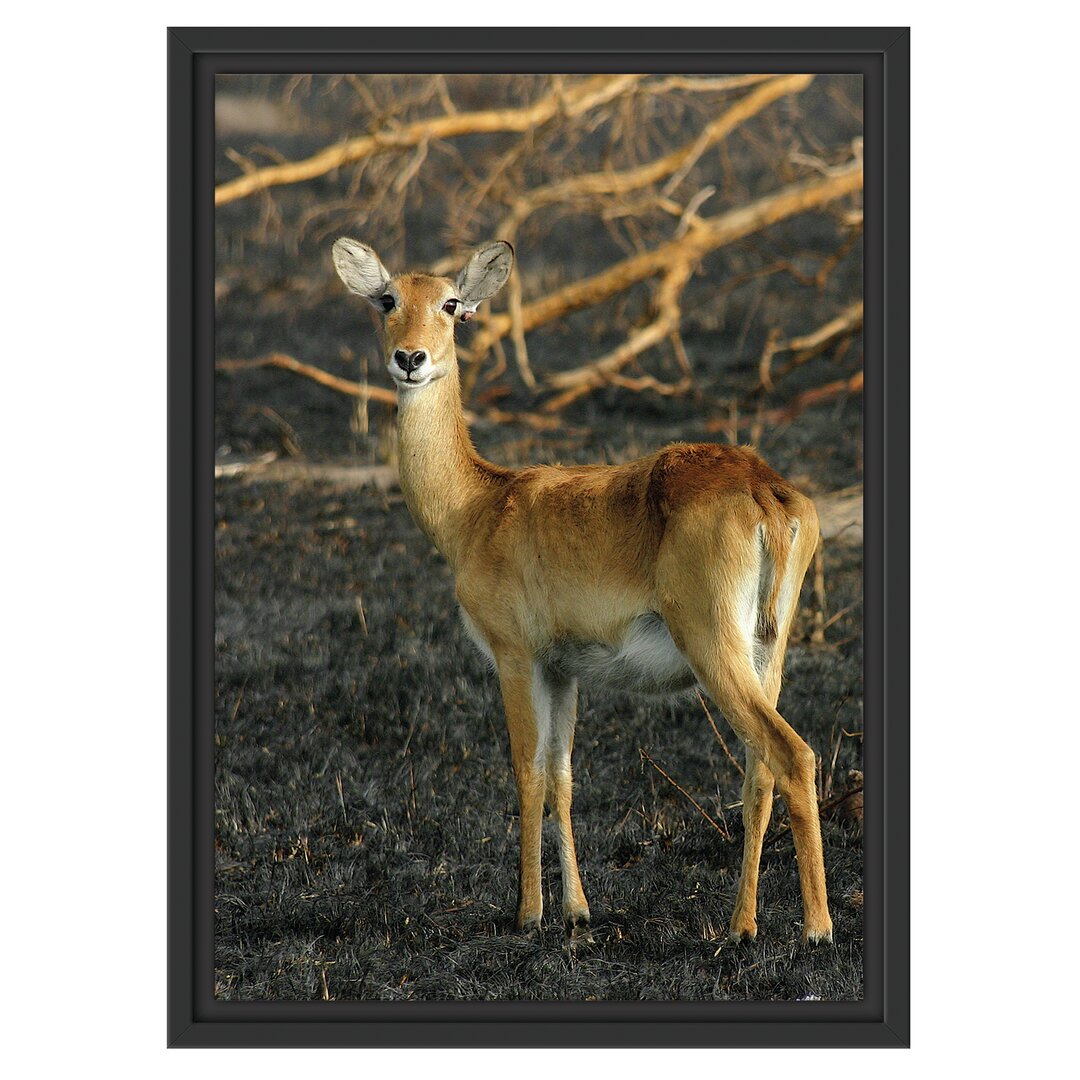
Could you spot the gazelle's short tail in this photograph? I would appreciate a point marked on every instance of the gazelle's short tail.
(789, 521)
(776, 542)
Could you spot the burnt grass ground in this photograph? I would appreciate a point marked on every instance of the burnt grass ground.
(366, 815)
(366, 819)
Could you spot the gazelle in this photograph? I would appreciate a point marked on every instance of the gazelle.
(678, 569)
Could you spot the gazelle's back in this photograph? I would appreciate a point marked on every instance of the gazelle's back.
(568, 556)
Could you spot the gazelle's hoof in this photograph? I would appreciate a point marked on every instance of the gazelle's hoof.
(820, 935)
(529, 923)
(578, 926)
(743, 929)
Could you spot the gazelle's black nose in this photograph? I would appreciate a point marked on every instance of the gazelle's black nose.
(409, 361)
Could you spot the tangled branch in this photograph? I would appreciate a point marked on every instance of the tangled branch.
(675, 164)
(601, 177)
(809, 345)
(674, 260)
(579, 98)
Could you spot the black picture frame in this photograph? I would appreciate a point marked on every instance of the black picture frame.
(195, 1018)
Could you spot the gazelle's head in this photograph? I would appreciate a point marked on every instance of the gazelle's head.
(419, 310)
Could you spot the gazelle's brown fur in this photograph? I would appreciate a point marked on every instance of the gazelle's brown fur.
(682, 567)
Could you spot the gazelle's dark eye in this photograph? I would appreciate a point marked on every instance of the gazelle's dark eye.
(386, 302)
(451, 306)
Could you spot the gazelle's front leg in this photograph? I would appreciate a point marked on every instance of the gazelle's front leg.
(527, 754)
(561, 695)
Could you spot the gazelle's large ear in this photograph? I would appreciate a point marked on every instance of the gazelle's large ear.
(359, 267)
(484, 275)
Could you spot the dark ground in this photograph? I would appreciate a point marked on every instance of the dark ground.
(366, 817)
(365, 810)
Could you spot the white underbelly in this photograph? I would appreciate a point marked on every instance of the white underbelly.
(645, 662)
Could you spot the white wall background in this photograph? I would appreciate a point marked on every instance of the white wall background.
(995, 401)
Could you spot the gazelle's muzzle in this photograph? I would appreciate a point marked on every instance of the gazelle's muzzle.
(410, 367)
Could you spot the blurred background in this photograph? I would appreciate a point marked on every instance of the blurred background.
(656, 267)
(689, 267)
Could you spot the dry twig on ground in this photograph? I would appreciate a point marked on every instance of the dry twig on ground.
(722, 830)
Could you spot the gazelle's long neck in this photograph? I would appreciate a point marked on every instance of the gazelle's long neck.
(442, 475)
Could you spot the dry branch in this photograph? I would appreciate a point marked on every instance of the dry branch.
(703, 237)
(840, 515)
(238, 468)
(723, 831)
(808, 345)
(580, 381)
(572, 101)
(817, 395)
(289, 363)
(649, 195)
(696, 85)
(849, 319)
(532, 420)
(678, 162)
(720, 738)
(517, 335)
(383, 478)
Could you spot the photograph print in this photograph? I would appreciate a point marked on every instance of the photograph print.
(538, 537)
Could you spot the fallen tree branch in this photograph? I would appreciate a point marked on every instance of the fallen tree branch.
(703, 236)
(289, 363)
(815, 396)
(675, 166)
(808, 345)
(579, 381)
(577, 99)
(849, 319)
(637, 383)
(517, 335)
(840, 515)
(238, 468)
(531, 420)
(376, 393)
(265, 470)
(706, 85)
(677, 163)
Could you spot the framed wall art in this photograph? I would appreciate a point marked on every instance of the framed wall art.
(540, 680)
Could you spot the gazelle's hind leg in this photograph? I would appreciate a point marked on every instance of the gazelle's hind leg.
(562, 697)
(709, 604)
(758, 784)
(757, 796)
